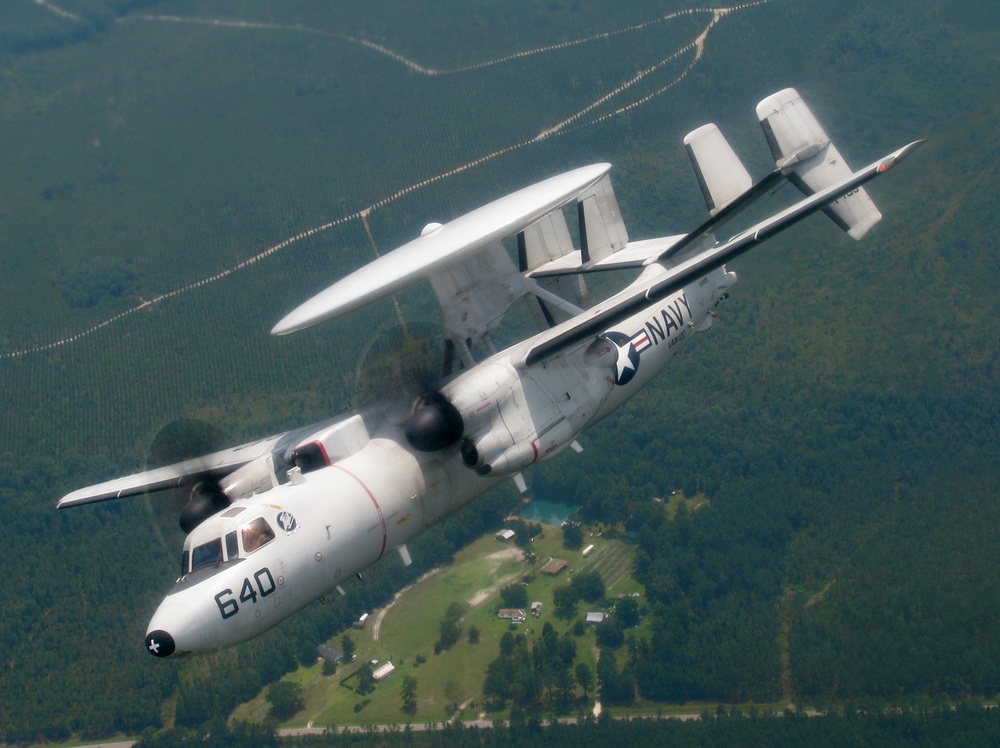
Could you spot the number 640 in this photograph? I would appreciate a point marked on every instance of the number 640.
(228, 606)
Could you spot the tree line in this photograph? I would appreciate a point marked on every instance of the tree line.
(968, 726)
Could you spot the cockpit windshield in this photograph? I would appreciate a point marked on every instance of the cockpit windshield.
(256, 534)
(207, 554)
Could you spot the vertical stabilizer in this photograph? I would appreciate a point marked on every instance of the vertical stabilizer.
(721, 174)
(805, 154)
(545, 240)
(602, 230)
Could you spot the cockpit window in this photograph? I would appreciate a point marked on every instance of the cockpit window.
(256, 534)
(206, 555)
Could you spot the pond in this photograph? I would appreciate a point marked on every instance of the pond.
(548, 512)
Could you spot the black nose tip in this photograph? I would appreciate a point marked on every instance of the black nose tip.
(160, 643)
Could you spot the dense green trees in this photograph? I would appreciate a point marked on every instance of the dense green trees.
(514, 596)
(572, 536)
(627, 611)
(285, 698)
(535, 677)
(565, 599)
(841, 416)
(449, 628)
(617, 684)
(347, 645)
(610, 633)
(588, 586)
(408, 695)
(966, 727)
(217, 734)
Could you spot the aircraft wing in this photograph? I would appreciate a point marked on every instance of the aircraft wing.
(212, 466)
(591, 323)
(440, 246)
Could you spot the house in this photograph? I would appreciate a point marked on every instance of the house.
(554, 566)
(505, 536)
(329, 654)
(515, 615)
(383, 672)
(595, 617)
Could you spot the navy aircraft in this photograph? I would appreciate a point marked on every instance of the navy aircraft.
(275, 524)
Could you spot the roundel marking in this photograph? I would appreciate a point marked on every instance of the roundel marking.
(626, 363)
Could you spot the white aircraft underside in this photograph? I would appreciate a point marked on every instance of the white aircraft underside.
(278, 523)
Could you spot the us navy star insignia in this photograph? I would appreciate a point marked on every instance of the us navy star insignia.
(626, 357)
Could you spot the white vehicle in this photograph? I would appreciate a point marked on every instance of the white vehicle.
(275, 524)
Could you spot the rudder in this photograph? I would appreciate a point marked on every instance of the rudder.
(805, 154)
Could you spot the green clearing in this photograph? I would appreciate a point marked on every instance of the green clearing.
(411, 627)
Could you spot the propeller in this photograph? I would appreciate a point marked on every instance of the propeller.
(409, 361)
(188, 505)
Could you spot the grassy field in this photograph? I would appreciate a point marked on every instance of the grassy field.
(409, 627)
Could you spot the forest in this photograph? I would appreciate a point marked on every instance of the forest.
(176, 187)
(969, 726)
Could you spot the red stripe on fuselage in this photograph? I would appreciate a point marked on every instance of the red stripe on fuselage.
(381, 517)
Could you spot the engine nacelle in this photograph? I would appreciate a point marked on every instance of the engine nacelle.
(514, 419)
(254, 477)
(493, 453)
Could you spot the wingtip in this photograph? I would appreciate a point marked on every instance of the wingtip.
(894, 158)
(909, 148)
(292, 322)
(281, 329)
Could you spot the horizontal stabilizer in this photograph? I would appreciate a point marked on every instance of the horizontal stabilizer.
(634, 255)
(805, 154)
(720, 173)
(582, 329)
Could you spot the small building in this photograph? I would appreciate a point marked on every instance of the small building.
(536, 608)
(360, 623)
(329, 654)
(553, 567)
(514, 615)
(383, 672)
(505, 536)
(595, 617)
(588, 550)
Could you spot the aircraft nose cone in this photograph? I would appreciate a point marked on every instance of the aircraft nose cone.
(160, 643)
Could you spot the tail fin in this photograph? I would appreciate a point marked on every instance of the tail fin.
(805, 154)
(721, 175)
